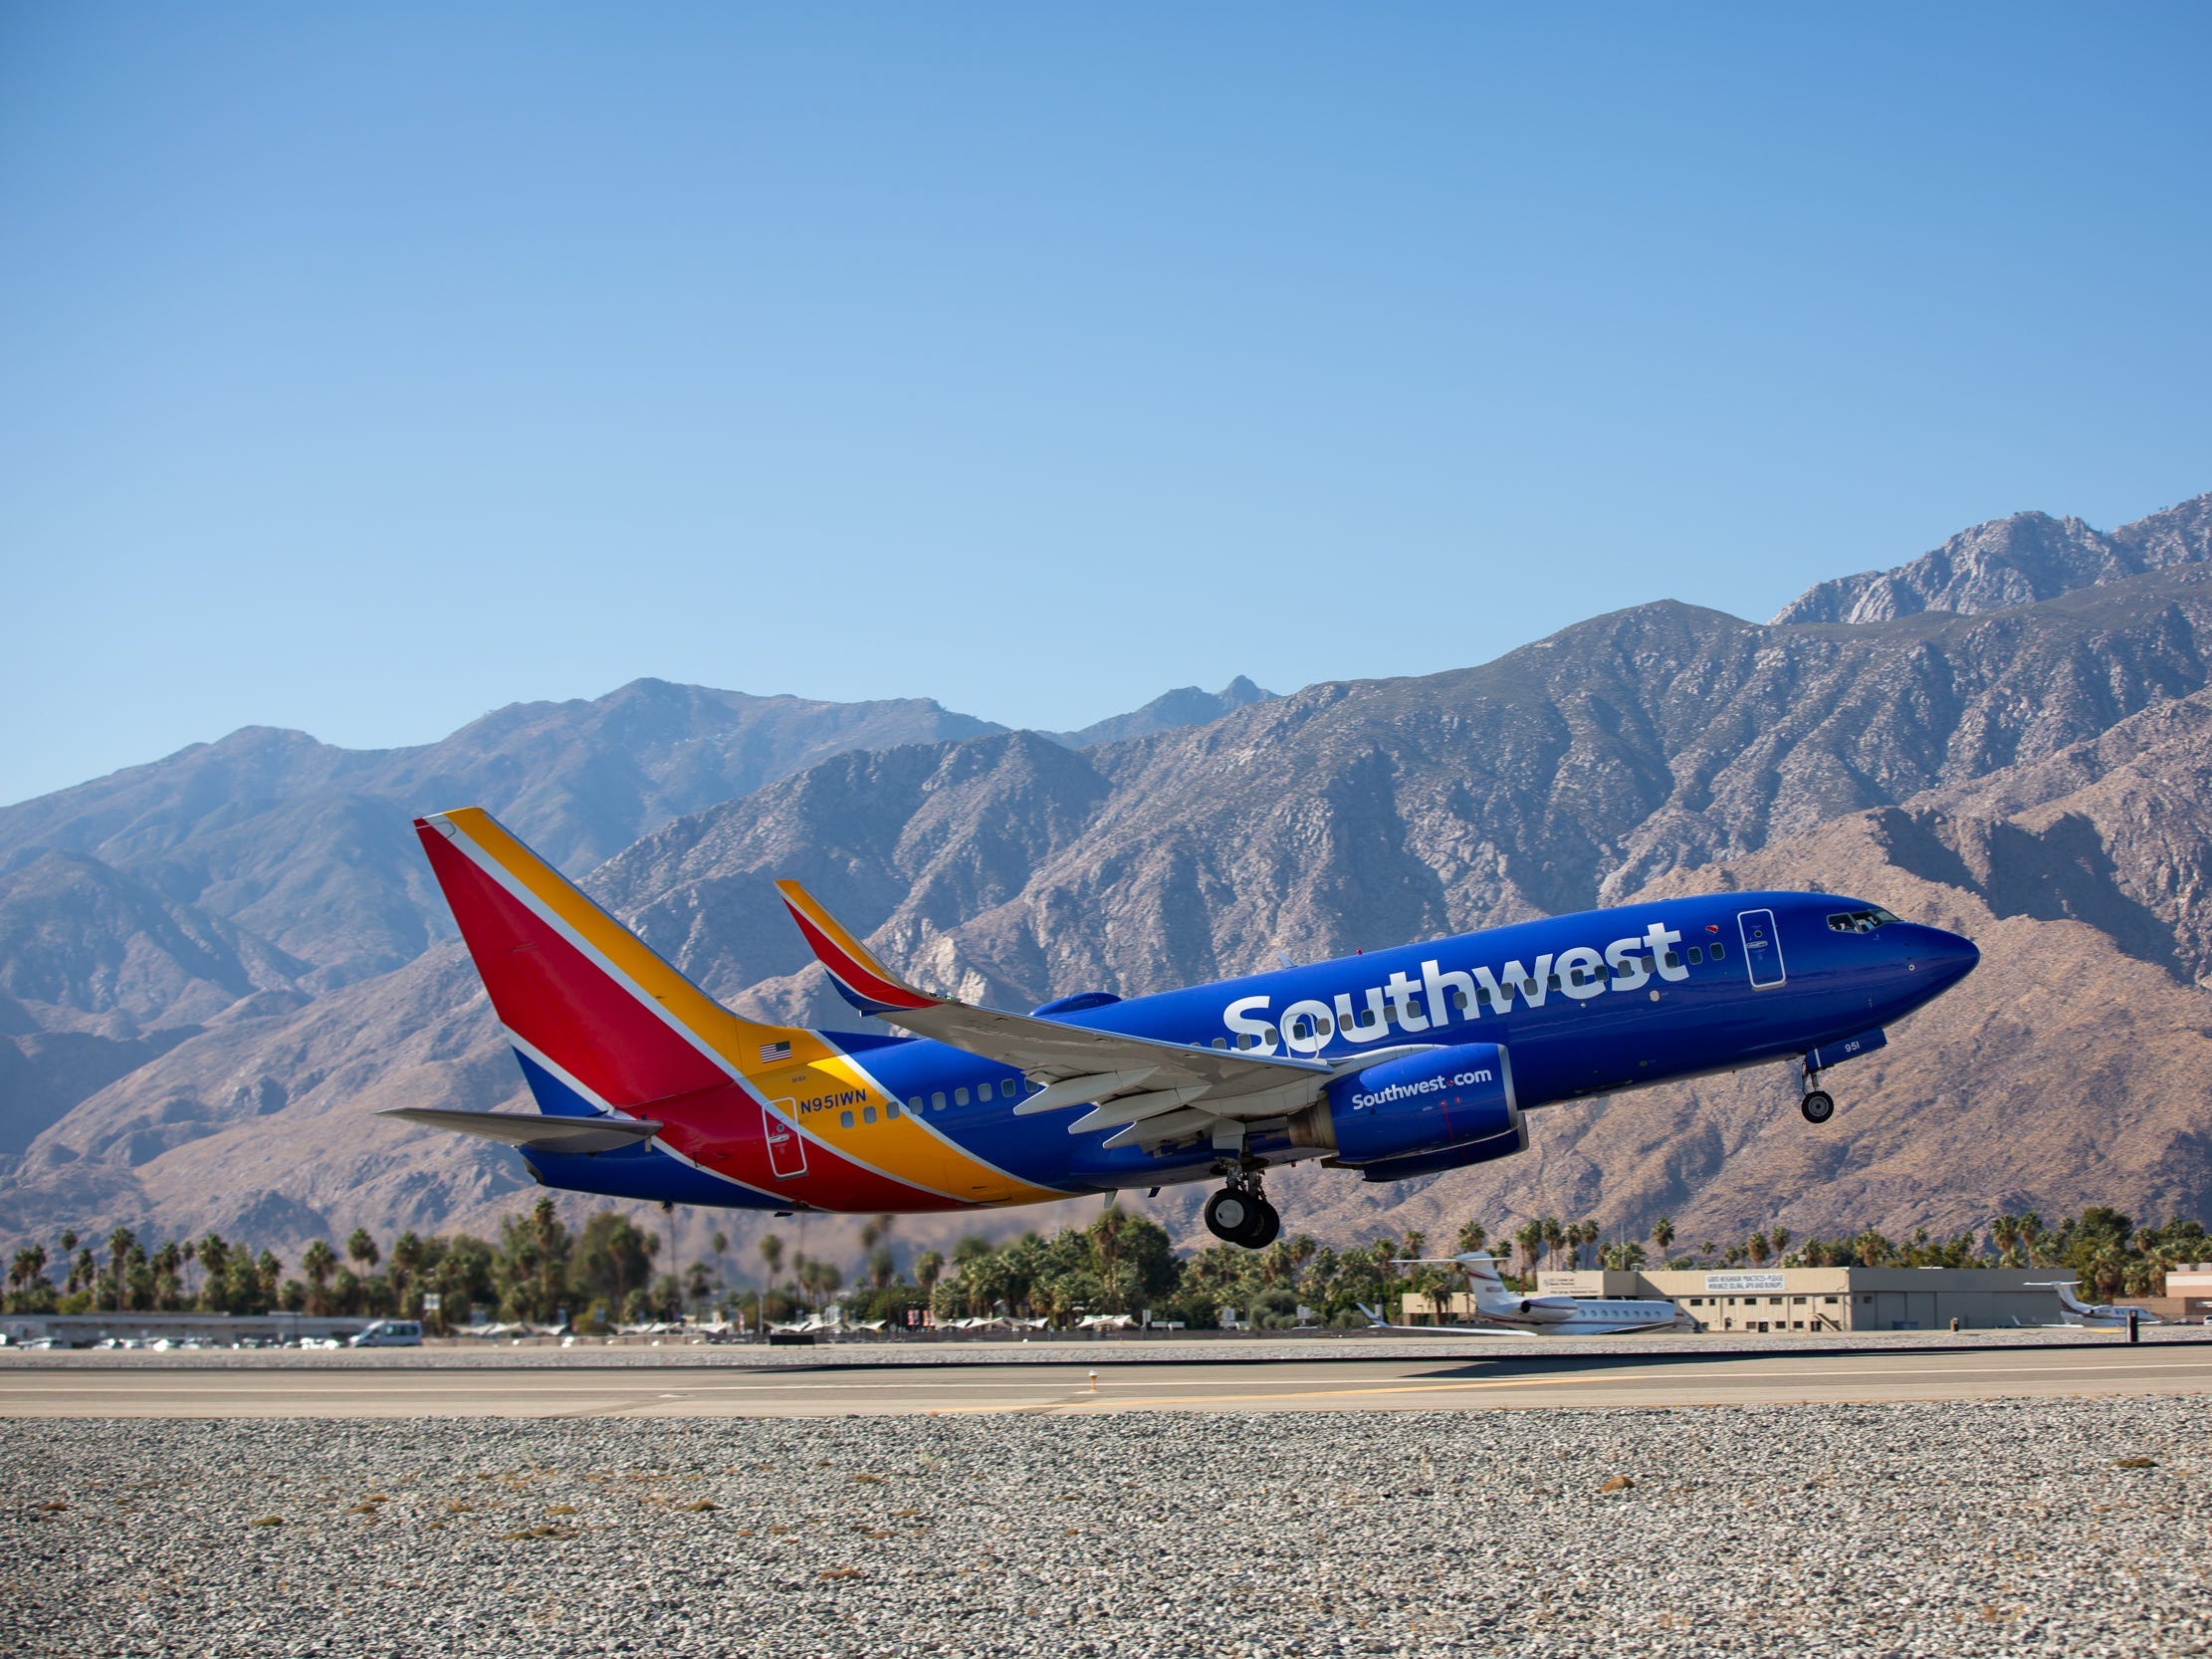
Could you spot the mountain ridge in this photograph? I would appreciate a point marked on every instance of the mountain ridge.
(2015, 560)
(2035, 772)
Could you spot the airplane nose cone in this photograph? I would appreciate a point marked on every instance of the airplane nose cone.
(1947, 957)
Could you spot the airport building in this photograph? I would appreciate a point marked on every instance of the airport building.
(2190, 1288)
(1814, 1301)
(1811, 1301)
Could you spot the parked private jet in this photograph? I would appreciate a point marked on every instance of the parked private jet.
(2075, 1313)
(1498, 1310)
(1391, 1064)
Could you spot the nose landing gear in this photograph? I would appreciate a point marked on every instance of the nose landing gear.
(1818, 1105)
(1239, 1214)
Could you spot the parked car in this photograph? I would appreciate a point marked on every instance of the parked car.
(392, 1333)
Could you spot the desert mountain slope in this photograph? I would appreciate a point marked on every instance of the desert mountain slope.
(1562, 776)
(309, 844)
(2009, 561)
(2033, 773)
(2068, 1070)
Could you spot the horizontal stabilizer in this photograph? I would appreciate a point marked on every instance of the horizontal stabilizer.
(534, 1133)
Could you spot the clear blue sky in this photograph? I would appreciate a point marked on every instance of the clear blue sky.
(365, 367)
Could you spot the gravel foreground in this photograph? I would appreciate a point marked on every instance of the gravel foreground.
(1984, 1528)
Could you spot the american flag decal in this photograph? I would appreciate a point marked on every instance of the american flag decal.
(774, 1052)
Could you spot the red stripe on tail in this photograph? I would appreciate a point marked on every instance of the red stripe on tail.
(557, 999)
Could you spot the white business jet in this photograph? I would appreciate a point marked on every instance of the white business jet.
(1499, 1311)
(2074, 1311)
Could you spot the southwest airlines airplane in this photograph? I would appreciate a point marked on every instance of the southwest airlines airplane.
(1398, 1063)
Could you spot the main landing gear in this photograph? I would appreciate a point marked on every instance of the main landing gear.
(1818, 1105)
(1239, 1214)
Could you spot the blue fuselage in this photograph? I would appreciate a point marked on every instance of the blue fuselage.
(1588, 1003)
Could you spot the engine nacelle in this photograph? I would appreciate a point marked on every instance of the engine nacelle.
(1432, 1110)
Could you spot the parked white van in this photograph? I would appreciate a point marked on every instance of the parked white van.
(392, 1333)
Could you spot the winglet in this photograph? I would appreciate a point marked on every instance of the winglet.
(859, 977)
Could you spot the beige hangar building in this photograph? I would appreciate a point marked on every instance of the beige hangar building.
(1813, 1301)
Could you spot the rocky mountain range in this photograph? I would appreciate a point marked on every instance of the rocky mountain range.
(219, 966)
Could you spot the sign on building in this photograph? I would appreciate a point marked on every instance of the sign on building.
(1736, 1283)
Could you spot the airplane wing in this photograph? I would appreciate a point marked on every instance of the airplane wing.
(1143, 1091)
(532, 1132)
(1376, 1321)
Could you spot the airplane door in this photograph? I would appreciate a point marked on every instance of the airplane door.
(1762, 951)
(787, 1148)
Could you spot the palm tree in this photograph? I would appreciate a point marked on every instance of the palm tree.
(1663, 1236)
(929, 1267)
(1441, 1285)
(1473, 1236)
(2107, 1271)
(121, 1243)
(2004, 1237)
(1555, 1236)
(362, 1248)
(407, 1260)
(214, 1255)
(168, 1278)
(823, 1281)
(1756, 1247)
(319, 1261)
(1779, 1237)
(720, 1243)
(1530, 1236)
(29, 1263)
(771, 1256)
(1585, 1236)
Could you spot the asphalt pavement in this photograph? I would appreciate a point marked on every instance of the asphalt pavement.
(149, 1388)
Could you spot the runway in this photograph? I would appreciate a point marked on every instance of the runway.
(1519, 1381)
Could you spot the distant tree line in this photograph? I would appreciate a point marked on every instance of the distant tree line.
(608, 1271)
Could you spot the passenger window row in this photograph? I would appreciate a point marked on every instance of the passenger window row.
(1007, 1090)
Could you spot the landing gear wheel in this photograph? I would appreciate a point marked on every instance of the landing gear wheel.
(1229, 1215)
(1265, 1227)
(1817, 1106)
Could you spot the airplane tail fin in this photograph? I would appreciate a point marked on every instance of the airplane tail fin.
(1481, 1272)
(2065, 1287)
(597, 1018)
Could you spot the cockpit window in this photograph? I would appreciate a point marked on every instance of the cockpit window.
(1859, 921)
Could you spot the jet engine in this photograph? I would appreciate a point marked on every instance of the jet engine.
(1438, 1110)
